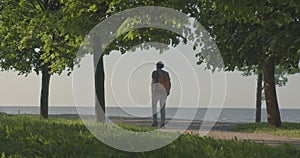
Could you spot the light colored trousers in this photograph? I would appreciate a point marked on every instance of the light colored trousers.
(162, 102)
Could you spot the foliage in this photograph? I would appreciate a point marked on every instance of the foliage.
(28, 136)
(257, 34)
(245, 31)
(287, 129)
(187, 30)
(32, 35)
(43, 36)
(81, 16)
(141, 36)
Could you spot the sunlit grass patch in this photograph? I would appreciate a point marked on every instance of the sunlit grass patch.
(287, 129)
(30, 136)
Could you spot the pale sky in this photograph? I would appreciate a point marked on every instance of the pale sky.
(131, 79)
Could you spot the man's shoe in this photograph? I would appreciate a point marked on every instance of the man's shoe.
(162, 125)
(154, 125)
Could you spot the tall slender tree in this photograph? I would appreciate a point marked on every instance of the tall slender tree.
(259, 88)
(33, 38)
(258, 33)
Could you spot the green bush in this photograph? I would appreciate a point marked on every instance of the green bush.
(29, 136)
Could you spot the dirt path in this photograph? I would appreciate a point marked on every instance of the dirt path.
(219, 130)
(253, 137)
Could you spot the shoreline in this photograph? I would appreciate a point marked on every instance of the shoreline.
(235, 115)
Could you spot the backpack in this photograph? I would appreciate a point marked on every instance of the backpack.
(163, 78)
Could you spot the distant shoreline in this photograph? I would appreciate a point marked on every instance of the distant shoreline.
(169, 107)
(223, 115)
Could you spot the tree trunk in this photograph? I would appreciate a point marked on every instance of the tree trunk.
(270, 93)
(99, 80)
(258, 97)
(44, 98)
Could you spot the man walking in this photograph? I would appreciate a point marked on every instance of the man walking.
(160, 88)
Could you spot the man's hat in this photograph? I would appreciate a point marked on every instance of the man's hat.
(160, 63)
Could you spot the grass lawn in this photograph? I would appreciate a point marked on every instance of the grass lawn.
(287, 129)
(29, 136)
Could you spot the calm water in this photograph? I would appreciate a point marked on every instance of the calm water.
(226, 115)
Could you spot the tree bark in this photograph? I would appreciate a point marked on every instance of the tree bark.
(44, 98)
(258, 97)
(99, 80)
(270, 93)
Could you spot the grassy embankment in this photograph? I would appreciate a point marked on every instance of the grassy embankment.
(29, 136)
(287, 129)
